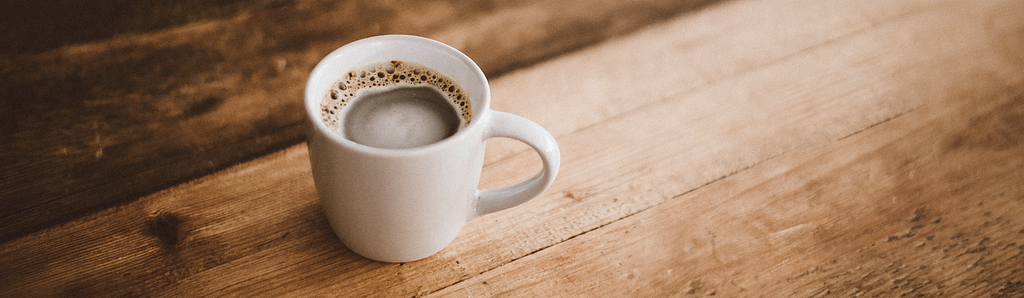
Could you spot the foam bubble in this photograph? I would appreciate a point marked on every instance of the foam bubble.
(385, 74)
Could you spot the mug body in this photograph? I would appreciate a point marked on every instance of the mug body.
(397, 205)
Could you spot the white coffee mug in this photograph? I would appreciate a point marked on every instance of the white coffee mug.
(399, 205)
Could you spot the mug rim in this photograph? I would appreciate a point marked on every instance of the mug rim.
(311, 97)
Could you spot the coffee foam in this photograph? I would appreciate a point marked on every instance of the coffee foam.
(387, 74)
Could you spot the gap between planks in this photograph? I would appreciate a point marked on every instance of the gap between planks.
(802, 73)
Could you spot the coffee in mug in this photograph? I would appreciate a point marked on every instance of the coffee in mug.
(395, 104)
(431, 103)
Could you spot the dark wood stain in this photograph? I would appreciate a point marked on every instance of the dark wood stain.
(142, 251)
(952, 228)
(166, 227)
(998, 132)
(202, 106)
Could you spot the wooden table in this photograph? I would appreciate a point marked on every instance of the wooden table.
(732, 149)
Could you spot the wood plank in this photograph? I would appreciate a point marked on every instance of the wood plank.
(37, 26)
(256, 228)
(92, 125)
(928, 204)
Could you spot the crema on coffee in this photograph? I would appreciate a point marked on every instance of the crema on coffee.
(395, 104)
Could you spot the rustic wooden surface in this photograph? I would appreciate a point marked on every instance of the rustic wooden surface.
(105, 102)
(745, 149)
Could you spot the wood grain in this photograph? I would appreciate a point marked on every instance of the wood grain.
(38, 26)
(142, 103)
(763, 169)
(873, 213)
(928, 204)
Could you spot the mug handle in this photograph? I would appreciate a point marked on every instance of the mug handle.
(529, 132)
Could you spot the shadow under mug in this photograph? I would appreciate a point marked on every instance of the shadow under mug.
(399, 205)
